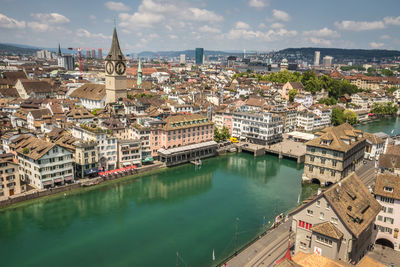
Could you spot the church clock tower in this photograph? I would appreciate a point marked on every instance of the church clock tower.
(115, 67)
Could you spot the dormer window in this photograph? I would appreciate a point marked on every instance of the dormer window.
(388, 189)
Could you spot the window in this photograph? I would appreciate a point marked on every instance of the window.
(312, 158)
(310, 168)
(303, 245)
(334, 163)
(388, 189)
(390, 210)
(328, 206)
(323, 151)
(388, 220)
(318, 203)
(305, 225)
(324, 240)
(321, 215)
(383, 208)
(387, 200)
(380, 217)
(310, 212)
(323, 160)
(321, 170)
(333, 173)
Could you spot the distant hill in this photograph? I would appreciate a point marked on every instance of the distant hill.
(338, 53)
(188, 53)
(7, 49)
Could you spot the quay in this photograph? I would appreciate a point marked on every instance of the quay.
(288, 149)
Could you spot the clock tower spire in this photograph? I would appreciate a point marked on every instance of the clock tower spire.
(115, 66)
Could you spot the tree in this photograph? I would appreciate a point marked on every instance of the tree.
(292, 94)
(350, 116)
(391, 89)
(220, 135)
(387, 72)
(337, 116)
(388, 108)
(330, 101)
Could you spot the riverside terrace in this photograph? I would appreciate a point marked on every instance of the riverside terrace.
(183, 154)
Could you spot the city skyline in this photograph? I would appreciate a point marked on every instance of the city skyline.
(154, 25)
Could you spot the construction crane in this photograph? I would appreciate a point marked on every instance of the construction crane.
(79, 49)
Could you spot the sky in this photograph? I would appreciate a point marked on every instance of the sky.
(165, 25)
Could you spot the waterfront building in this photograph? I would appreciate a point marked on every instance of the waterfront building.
(86, 158)
(115, 68)
(106, 144)
(258, 127)
(374, 146)
(199, 53)
(42, 164)
(10, 183)
(336, 152)
(337, 223)
(129, 153)
(223, 118)
(317, 55)
(387, 193)
(306, 120)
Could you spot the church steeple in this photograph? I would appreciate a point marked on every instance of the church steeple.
(115, 51)
(59, 50)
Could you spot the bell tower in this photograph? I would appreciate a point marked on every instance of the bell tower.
(115, 67)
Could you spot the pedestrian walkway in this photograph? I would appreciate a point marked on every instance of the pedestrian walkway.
(264, 251)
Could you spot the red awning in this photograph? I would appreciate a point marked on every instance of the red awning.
(371, 114)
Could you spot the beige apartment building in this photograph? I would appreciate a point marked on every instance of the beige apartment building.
(337, 223)
(335, 153)
(10, 183)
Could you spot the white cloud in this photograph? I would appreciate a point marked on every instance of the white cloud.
(350, 25)
(273, 35)
(320, 41)
(209, 29)
(50, 18)
(116, 6)
(258, 3)
(277, 25)
(10, 23)
(39, 27)
(392, 20)
(138, 19)
(173, 36)
(85, 33)
(324, 32)
(198, 14)
(280, 15)
(385, 37)
(242, 25)
(157, 7)
(376, 45)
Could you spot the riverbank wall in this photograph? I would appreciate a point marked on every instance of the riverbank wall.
(34, 194)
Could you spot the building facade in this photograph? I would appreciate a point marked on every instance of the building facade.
(387, 193)
(335, 153)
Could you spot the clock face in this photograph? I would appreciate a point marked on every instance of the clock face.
(109, 67)
(120, 68)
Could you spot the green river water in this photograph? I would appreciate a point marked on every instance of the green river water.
(146, 220)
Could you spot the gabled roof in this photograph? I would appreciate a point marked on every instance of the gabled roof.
(390, 181)
(327, 229)
(353, 203)
(33, 147)
(36, 86)
(39, 113)
(338, 134)
(90, 91)
(389, 161)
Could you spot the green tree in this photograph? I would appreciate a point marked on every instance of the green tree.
(350, 116)
(391, 89)
(387, 72)
(330, 101)
(388, 108)
(292, 94)
(337, 116)
(224, 133)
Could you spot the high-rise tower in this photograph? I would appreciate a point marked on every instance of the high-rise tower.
(139, 74)
(115, 67)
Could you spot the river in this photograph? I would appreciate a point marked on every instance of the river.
(146, 221)
(384, 125)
